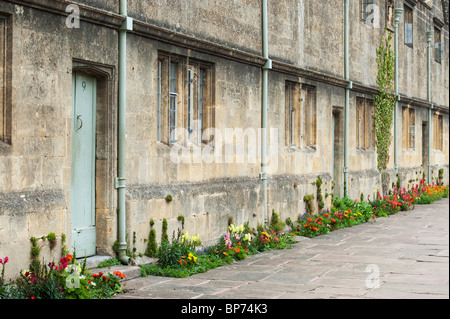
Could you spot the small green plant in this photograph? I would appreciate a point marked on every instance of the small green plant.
(320, 201)
(309, 204)
(51, 237)
(152, 245)
(64, 250)
(441, 177)
(133, 255)
(169, 198)
(181, 219)
(109, 263)
(276, 224)
(35, 251)
(164, 236)
(230, 220)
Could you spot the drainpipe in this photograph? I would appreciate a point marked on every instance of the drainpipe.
(120, 180)
(398, 14)
(265, 79)
(430, 35)
(347, 93)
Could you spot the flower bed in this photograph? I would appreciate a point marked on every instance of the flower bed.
(180, 258)
(347, 213)
(65, 280)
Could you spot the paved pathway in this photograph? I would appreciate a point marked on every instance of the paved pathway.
(403, 256)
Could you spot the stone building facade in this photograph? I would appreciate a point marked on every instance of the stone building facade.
(194, 70)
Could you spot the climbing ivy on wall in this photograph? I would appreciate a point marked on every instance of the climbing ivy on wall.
(384, 106)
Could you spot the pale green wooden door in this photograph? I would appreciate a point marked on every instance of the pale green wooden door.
(82, 193)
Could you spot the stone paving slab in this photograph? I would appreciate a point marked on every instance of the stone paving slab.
(403, 256)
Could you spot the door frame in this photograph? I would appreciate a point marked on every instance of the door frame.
(105, 152)
(88, 230)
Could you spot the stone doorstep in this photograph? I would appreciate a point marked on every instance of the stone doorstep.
(131, 271)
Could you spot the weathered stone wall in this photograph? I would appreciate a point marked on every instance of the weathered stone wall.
(35, 169)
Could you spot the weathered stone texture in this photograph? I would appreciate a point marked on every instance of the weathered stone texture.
(307, 45)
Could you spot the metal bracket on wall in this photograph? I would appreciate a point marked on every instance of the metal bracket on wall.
(120, 182)
(127, 24)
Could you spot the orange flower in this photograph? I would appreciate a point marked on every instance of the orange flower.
(119, 274)
(238, 250)
(69, 257)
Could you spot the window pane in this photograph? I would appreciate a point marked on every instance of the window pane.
(200, 102)
(159, 104)
(412, 137)
(173, 117)
(408, 33)
(173, 78)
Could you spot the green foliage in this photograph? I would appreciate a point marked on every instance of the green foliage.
(152, 245)
(35, 251)
(65, 280)
(109, 263)
(169, 198)
(51, 237)
(309, 204)
(164, 236)
(180, 218)
(320, 201)
(64, 250)
(384, 105)
(181, 258)
(276, 224)
(169, 253)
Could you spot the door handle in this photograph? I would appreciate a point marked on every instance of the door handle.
(81, 123)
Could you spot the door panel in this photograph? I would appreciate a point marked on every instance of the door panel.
(83, 165)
